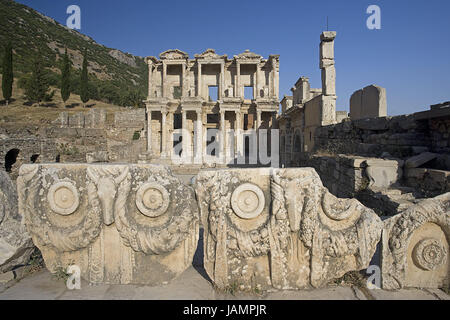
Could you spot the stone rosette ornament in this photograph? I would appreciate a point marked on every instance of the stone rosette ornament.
(415, 251)
(280, 228)
(120, 223)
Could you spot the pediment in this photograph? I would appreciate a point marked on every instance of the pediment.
(173, 54)
(209, 54)
(248, 55)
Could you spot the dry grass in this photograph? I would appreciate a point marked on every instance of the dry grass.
(20, 111)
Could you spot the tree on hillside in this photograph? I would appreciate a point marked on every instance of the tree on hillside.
(84, 85)
(65, 77)
(37, 86)
(8, 77)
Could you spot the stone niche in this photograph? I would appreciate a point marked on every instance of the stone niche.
(280, 228)
(121, 224)
(415, 246)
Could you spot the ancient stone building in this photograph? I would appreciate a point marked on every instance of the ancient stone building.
(189, 98)
(308, 108)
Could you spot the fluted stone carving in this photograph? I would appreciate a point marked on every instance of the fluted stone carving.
(415, 250)
(16, 246)
(280, 228)
(121, 224)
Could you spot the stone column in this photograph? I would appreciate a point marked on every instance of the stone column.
(199, 80)
(223, 134)
(150, 75)
(328, 77)
(256, 88)
(199, 136)
(222, 80)
(238, 132)
(237, 91)
(184, 133)
(164, 76)
(258, 119)
(164, 133)
(275, 76)
(149, 130)
(183, 79)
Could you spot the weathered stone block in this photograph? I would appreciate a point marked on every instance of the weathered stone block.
(120, 224)
(329, 81)
(16, 246)
(383, 173)
(415, 246)
(280, 228)
(97, 156)
(369, 102)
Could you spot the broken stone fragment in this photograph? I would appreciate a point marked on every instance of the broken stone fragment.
(121, 224)
(415, 246)
(281, 228)
(417, 161)
(16, 246)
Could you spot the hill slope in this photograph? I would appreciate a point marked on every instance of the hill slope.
(111, 71)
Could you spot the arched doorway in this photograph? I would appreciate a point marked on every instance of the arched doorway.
(11, 158)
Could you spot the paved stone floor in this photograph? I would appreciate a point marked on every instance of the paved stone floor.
(191, 285)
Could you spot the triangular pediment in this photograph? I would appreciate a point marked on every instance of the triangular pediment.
(209, 54)
(248, 55)
(173, 54)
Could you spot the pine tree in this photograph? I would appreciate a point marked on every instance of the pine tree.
(65, 78)
(37, 86)
(8, 77)
(84, 89)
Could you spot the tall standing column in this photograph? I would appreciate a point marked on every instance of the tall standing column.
(237, 91)
(222, 80)
(199, 80)
(238, 131)
(183, 79)
(328, 77)
(223, 134)
(164, 76)
(150, 76)
(149, 130)
(199, 136)
(184, 132)
(256, 89)
(164, 133)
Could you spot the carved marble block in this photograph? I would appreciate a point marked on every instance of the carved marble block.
(415, 250)
(16, 245)
(280, 228)
(121, 224)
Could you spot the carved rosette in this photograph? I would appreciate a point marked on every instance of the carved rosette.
(56, 213)
(63, 198)
(397, 234)
(429, 254)
(152, 199)
(163, 214)
(248, 201)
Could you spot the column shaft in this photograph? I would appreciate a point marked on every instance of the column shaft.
(149, 131)
(164, 133)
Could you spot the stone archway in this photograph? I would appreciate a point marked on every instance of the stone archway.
(11, 158)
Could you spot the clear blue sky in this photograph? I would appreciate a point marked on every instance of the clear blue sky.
(409, 56)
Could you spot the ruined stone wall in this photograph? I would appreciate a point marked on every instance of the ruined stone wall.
(400, 136)
(67, 140)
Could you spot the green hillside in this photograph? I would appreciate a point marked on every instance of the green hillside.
(113, 74)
